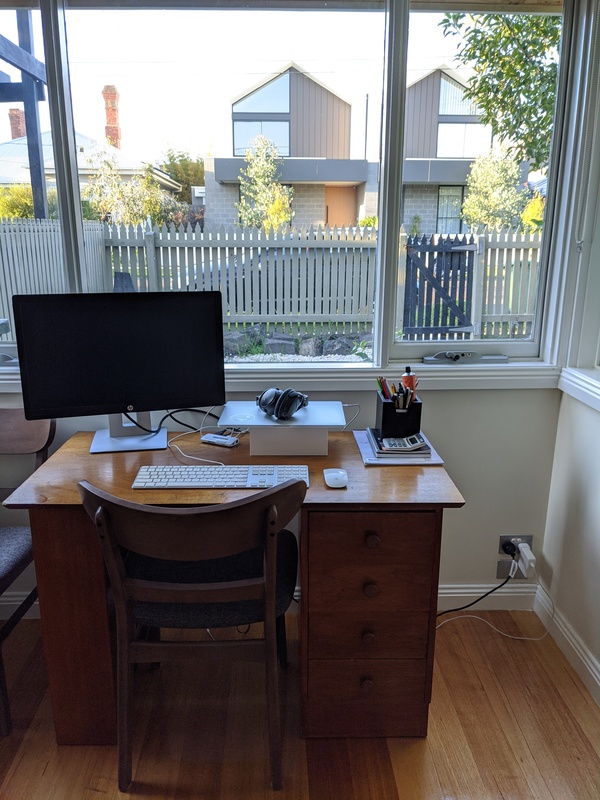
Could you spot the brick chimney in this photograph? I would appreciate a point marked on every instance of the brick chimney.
(111, 107)
(17, 123)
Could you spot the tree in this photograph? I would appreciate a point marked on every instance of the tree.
(515, 59)
(532, 218)
(17, 202)
(185, 170)
(264, 201)
(494, 198)
(130, 202)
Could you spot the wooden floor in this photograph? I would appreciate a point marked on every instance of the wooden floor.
(509, 719)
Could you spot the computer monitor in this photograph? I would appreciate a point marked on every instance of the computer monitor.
(120, 354)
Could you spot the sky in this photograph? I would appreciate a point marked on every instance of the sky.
(177, 72)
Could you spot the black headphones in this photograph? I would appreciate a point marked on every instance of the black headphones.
(282, 405)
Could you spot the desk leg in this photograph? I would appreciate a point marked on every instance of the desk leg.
(75, 631)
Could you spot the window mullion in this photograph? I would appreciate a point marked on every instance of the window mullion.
(63, 141)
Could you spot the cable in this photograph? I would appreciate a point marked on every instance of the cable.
(350, 405)
(502, 633)
(462, 608)
(169, 414)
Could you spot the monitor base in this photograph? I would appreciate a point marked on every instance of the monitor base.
(103, 442)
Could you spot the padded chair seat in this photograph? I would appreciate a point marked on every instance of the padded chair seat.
(15, 554)
(218, 615)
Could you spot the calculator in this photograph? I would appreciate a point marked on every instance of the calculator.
(407, 443)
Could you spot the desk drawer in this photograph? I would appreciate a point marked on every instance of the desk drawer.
(371, 562)
(368, 636)
(366, 698)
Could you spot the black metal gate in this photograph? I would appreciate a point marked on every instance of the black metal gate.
(439, 287)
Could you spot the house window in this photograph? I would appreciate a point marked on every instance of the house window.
(453, 101)
(273, 98)
(463, 140)
(245, 131)
(266, 112)
(450, 200)
(517, 328)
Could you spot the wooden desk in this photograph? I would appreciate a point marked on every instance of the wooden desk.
(369, 578)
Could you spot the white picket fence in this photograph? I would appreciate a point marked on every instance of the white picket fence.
(31, 260)
(295, 280)
(507, 282)
(299, 281)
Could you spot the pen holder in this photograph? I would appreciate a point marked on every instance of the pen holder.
(397, 422)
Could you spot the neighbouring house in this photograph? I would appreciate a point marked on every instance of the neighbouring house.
(14, 162)
(443, 135)
(311, 127)
(14, 159)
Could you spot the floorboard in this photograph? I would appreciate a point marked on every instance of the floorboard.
(509, 720)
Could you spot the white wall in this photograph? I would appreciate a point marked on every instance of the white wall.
(499, 448)
(569, 566)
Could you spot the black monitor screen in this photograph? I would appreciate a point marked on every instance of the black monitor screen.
(83, 354)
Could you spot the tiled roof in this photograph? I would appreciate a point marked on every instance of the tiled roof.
(14, 160)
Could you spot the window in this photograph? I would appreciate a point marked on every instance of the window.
(249, 116)
(431, 183)
(273, 98)
(462, 140)
(244, 132)
(450, 199)
(491, 294)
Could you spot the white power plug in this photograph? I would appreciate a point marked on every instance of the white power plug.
(526, 560)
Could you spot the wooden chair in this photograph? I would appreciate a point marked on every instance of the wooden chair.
(18, 436)
(201, 567)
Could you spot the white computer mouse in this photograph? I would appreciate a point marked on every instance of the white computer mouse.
(336, 478)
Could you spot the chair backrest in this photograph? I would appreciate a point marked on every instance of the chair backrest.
(20, 436)
(191, 534)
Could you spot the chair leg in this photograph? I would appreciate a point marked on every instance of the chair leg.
(273, 709)
(5, 717)
(281, 641)
(124, 733)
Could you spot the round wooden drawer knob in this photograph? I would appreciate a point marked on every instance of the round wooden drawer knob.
(366, 684)
(371, 589)
(368, 638)
(372, 540)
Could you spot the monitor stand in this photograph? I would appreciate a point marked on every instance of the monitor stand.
(123, 436)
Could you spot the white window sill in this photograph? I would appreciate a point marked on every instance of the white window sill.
(327, 377)
(582, 384)
(362, 377)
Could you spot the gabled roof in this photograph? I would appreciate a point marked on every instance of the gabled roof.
(14, 161)
(453, 74)
(291, 65)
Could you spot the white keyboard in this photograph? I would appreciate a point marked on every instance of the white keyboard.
(212, 476)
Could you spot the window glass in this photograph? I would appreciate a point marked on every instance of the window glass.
(484, 287)
(274, 97)
(462, 140)
(30, 228)
(244, 133)
(453, 100)
(450, 200)
(136, 150)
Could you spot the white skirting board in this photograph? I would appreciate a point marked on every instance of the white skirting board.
(522, 596)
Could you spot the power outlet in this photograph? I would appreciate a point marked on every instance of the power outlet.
(515, 538)
(503, 566)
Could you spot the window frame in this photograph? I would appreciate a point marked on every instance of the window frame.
(565, 284)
